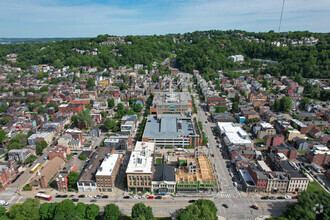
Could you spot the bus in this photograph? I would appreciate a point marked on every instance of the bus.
(43, 196)
(35, 168)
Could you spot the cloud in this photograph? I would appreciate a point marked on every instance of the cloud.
(39, 18)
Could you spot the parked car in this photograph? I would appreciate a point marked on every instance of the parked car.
(58, 196)
(93, 200)
(151, 197)
(75, 200)
(105, 197)
(81, 196)
(254, 207)
(273, 197)
(265, 198)
(225, 205)
(192, 201)
(126, 197)
(288, 197)
(280, 197)
(158, 197)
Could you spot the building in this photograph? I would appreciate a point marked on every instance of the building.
(223, 117)
(140, 167)
(62, 178)
(34, 138)
(274, 140)
(171, 102)
(194, 174)
(171, 130)
(107, 172)
(277, 182)
(59, 151)
(236, 58)
(7, 174)
(163, 180)
(19, 155)
(300, 126)
(258, 96)
(47, 173)
(319, 154)
(264, 129)
(86, 181)
(297, 181)
(234, 135)
(248, 183)
(118, 142)
(74, 108)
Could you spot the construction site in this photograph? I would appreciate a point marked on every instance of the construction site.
(194, 173)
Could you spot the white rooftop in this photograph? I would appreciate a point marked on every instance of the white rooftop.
(266, 125)
(235, 134)
(263, 166)
(107, 165)
(141, 158)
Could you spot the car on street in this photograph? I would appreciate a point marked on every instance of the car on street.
(71, 196)
(105, 197)
(93, 200)
(81, 196)
(97, 197)
(64, 196)
(192, 201)
(254, 207)
(265, 198)
(75, 200)
(151, 197)
(280, 197)
(126, 197)
(273, 198)
(225, 205)
(288, 197)
(158, 197)
(58, 196)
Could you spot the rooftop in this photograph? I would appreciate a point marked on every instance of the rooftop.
(168, 126)
(141, 158)
(165, 98)
(164, 173)
(247, 178)
(108, 164)
(235, 134)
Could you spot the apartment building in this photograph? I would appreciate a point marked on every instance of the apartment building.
(140, 167)
(107, 172)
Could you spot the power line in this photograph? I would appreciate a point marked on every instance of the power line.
(279, 28)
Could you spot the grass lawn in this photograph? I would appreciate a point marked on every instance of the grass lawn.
(314, 186)
(159, 161)
(302, 152)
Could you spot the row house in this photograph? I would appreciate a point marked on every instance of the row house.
(75, 108)
(319, 154)
(7, 174)
(62, 178)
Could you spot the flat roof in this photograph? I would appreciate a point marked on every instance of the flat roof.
(108, 164)
(247, 178)
(235, 134)
(168, 98)
(266, 125)
(168, 126)
(263, 166)
(141, 158)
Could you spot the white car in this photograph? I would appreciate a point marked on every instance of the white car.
(288, 197)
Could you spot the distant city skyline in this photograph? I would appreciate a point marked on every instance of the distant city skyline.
(89, 18)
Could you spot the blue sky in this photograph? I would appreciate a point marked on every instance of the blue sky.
(89, 18)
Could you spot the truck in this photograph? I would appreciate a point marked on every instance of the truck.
(3, 203)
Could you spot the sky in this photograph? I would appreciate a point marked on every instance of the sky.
(89, 18)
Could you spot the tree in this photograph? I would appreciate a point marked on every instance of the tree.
(18, 142)
(265, 84)
(154, 77)
(41, 110)
(140, 209)
(286, 103)
(111, 212)
(81, 209)
(137, 108)
(83, 157)
(141, 71)
(92, 211)
(3, 136)
(111, 102)
(201, 209)
(43, 89)
(72, 179)
(90, 84)
(65, 208)
(234, 107)
(109, 124)
(84, 117)
(2, 211)
(58, 64)
(30, 159)
(29, 210)
(40, 146)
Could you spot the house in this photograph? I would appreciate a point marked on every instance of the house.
(259, 177)
(7, 174)
(19, 155)
(258, 98)
(319, 154)
(59, 151)
(62, 178)
(274, 140)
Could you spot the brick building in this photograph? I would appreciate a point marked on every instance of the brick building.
(319, 154)
(75, 108)
(62, 178)
(274, 140)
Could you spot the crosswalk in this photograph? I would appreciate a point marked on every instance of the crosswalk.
(229, 195)
(8, 193)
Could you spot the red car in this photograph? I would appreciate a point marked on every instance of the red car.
(212, 155)
(151, 197)
(254, 207)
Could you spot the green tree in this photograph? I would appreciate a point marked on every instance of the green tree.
(265, 84)
(43, 89)
(109, 124)
(111, 212)
(84, 117)
(286, 103)
(40, 146)
(81, 209)
(234, 107)
(92, 211)
(58, 64)
(201, 209)
(83, 157)
(72, 179)
(65, 208)
(140, 209)
(141, 71)
(303, 103)
(43, 211)
(2, 211)
(30, 159)
(111, 102)
(154, 77)
(90, 84)
(18, 142)
(3, 136)
(29, 210)
(41, 110)
(137, 108)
